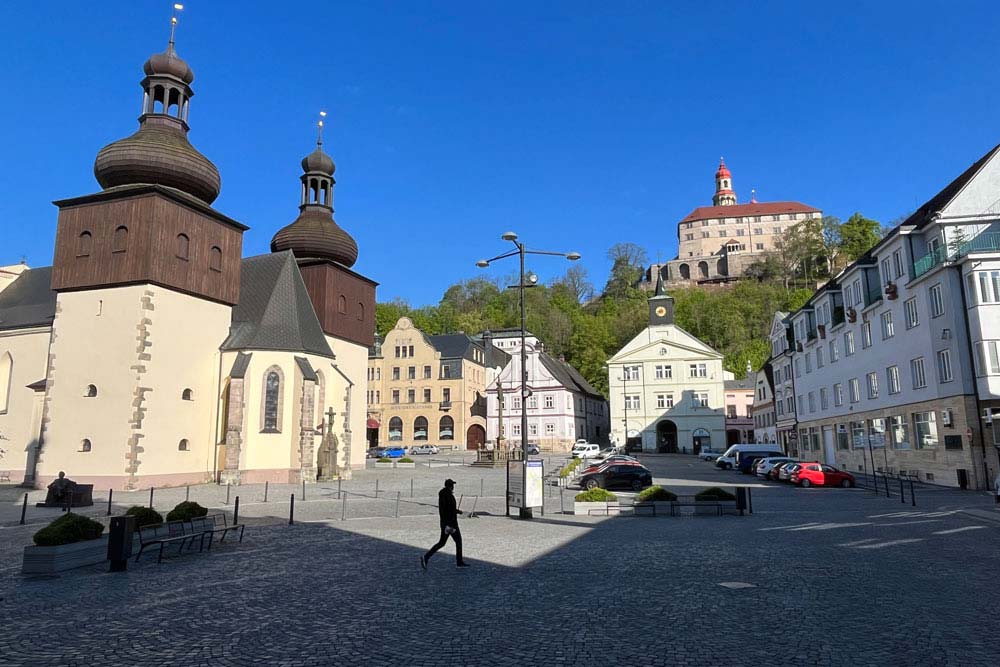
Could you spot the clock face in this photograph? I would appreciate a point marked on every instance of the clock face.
(660, 311)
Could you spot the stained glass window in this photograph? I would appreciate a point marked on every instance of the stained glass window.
(272, 387)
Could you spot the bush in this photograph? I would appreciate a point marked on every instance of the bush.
(655, 494)
(144, 516)
(383, 459)
(186, 511)
(405, 459)
(568, 469)
(67, 529)
(714, 493)
(595, 496)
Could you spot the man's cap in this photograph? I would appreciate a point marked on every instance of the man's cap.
(449, 482)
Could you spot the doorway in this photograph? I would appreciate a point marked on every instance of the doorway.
(829, 452)
(701, 439)
(475, 437)
(733, 437)
(666, 437)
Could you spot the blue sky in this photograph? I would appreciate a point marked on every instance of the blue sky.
(576, 124)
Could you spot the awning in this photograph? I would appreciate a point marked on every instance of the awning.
(372, 423)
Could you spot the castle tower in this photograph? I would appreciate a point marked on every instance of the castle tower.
(724, 195)
(146, 273)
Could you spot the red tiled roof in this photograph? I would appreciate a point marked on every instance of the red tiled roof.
(743, 210)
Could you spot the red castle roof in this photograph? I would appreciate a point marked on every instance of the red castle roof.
(743, 210)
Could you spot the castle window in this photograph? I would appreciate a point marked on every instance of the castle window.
(120, 240)
(342, 304)
(187, 395)
(271, 403)
(183, 245)
(91, 391)
(182, 446)
(6, 377)
(215, 258)
(84, 244)
(85, 445)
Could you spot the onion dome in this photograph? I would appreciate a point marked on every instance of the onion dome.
(315, 234)
(159, 152)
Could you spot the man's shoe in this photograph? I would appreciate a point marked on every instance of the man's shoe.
(423, 562)
(462, 565)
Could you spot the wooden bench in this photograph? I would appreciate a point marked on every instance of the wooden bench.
(210, 526)
(172, 532)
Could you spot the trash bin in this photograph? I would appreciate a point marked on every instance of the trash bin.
(741, 498)
(120, 542)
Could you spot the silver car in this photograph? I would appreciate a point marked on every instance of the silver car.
(424, 449)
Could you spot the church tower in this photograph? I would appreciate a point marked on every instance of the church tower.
(146, 273)
(661, 306)
(724, 195)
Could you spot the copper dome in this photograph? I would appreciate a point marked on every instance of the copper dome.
(318, 161)
(315, 235)
(169, 63)
(158, 153)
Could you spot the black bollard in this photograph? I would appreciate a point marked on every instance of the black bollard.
(227, 494)
(902, 496)
(338, 488)
(111, 492)
(187, 493)
(397, 504)
(291, 510)
(236, 511)
(913, 498)
(411, 487)
(750, 500)
(150, 497)
(886, 480)
(24, 508)
(265, 491)
(376, 488)
(343, 507)
(303, 489)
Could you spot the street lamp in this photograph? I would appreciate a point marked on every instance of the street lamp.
(532, 279)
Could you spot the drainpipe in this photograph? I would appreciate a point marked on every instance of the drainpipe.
(972, 367)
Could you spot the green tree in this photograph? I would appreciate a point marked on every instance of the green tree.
(858, 235)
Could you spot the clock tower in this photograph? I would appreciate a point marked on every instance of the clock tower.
(661, 306)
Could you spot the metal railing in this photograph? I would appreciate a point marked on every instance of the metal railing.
(989, 242)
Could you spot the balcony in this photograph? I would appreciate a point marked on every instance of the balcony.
(444, 405)
(874, 293)
(838, 315)
(989, 242)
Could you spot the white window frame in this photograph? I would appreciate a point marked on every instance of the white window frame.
(937, 300)
(912, 314)
(918, 373)
(892, 379)
(945, 371)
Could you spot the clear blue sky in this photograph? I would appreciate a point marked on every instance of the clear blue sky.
(576, 124)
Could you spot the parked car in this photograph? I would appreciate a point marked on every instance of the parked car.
(533, 450)
(424, 449)
(821, 474)
(601, 465)
(709, 455)
(375, 452)
(395, 452)
(584, 451)
(774, 472)
(732, 456)
(766, 464)
(785, 474)
(619, 476)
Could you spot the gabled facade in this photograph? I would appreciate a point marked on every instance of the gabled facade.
(764, 422)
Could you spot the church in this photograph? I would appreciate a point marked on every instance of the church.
(152, 353)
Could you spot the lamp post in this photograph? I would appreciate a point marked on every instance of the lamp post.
(521, 251)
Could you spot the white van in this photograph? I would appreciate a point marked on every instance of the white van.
(584, 451)
(731, 456)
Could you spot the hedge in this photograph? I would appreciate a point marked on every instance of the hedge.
(67, 529)
(655, 494)
(383, 459)
(405, 459)
(144, 516)
(186, 511)
(714, 493)
(595, 496)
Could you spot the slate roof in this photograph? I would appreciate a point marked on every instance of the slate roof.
(274, 312)
(568, 376)
(240, 366)
(28, 301)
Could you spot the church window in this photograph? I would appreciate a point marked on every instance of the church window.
(6, 376)
(119, 241)
(85, 445)
(215, 258)
(342, 304)
(183, 245)
(182, 446)
(84, 244)
(91, 391)
(446, 428)
(272, 401)
(187, 395)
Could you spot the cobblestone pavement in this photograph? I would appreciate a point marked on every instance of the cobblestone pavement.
(861, 579)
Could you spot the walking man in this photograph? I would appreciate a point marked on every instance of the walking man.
(448, 512)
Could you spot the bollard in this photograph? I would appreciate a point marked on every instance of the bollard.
(411, 487)
(750, 500)
(236, 511)
(481, 494)
(902, 496)
(151, 497)
(110, 493)
(886, 480)
(187, 493)
(338, 488)
(265, 490)
(343, 508)
(303, 489)
(24, 508)
(376, 488)
(561, 510)
(397, 504)
(291, 510)
(913, 498)
(227, 495)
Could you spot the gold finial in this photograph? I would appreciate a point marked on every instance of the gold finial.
(173, 22)
(319, 125)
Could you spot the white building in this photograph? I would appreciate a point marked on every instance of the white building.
(562, 406)
(765, 428)
(666, 387)
(896, 366)
(783, 383)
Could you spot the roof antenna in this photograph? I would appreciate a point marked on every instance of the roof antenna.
(319, 125)
(173, 25)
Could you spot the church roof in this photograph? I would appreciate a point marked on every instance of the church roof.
(568, 376)
(741, 210)
(275, 312)
(28, 301)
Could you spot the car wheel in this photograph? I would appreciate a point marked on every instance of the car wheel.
(592, 484)
(727, 466)
(847, 484)
(636, 485)
(805, 483)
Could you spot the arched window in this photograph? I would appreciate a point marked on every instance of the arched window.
(342, 304)
(91, 391)
(182, 446)
(395, 429)
(361, 311)
(120, 240)
(420, 428)
(6, 378)
(215, 258)
(183, 246)
(187, 395)
(703, 269)
(446, 428)
(685, 272)
(271, 408)
(85, 445)
(84, 244)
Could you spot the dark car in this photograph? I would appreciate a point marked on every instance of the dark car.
(533, 450)
(633, 477)
(748, 463)
(375, 452)
(773, 473)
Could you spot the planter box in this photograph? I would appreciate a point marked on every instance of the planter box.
(384, 465)
(406, 465)
(599, 509)
(663, 507)
(49, 560)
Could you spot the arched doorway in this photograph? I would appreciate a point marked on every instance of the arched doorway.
(703, 269)
(666, 437)
(475, 437)
(732, 437)
(700, 439)
(685, 272)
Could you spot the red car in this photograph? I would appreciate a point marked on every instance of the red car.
(821, 474)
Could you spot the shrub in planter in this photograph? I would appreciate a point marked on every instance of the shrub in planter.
(383, 459)
(67, 529)
(596, 496)
(405, 459)
(144, 516)
(714, 493)
(655, 494)
(186, 511)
